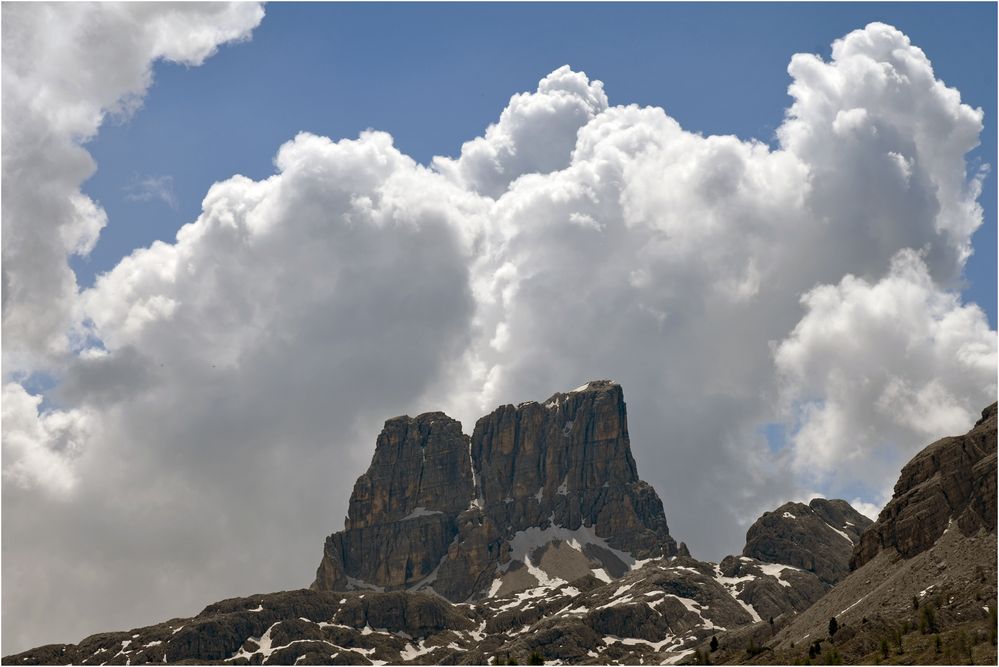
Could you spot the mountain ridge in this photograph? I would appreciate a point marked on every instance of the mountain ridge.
(535, 537)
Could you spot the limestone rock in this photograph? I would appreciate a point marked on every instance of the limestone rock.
(818, 537)
(403, 513)
(953, 479)
(539, 492)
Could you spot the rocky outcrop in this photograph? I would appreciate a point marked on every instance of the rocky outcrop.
(650, 615)
(818, 537)
(951, 480)
(403, 513)
(541, 520)
(923, 587)
(541, 492)
(568, 462)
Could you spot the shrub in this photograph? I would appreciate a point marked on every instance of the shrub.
(927, 620)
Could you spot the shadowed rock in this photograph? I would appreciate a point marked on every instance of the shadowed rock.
(818, 537)
(439, 510)
(953, 479)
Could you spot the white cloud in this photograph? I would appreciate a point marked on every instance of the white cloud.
(535, 134)
(152, 188)
(65, 67)
(883, 137)
(870, 510)
(38, 449)
(247, 367)
(879, 370)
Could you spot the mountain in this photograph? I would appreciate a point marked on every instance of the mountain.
(923, 585)
(818, 537)
(655, 612)
(541, 493)
(535, 537)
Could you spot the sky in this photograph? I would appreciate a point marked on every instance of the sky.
(238, 238)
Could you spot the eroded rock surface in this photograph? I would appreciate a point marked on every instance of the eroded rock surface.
(403, 512)
(541, 493)
(818, 537)
(654, 613)
(951, 480)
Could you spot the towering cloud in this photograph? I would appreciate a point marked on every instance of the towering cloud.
(65, 68)
(237, 376)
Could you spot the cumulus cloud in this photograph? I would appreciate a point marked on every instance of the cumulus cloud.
(875, 371)
(239, 375)
(39, 449)
(535, 133)
(242, 375)
(65, 67)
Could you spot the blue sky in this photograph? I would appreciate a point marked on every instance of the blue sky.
(337, 69)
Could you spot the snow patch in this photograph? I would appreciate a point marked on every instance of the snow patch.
(616, 602)
(788, 515)
(263, 642)
(852, 605)
(840, 532)
(622, 589)
(525, 542)
(634, 641)
(420, 511)
(774, 570)
(732, 584)
(695, 607)
(358, 584)
(409, 652)
(673, 659)
(494, 588)
(477, 499)
(580, 388)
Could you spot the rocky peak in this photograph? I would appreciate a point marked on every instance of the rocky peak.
(818, 537)
(952, 480)
(568, 462)
(420, 466)
(541, 493)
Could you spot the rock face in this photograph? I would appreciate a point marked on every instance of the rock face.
(951, 480)
(651, 615)
(403, 512)
(923, 583)
(541, 520)
(792, 556)
(818, 537)
(540, 493)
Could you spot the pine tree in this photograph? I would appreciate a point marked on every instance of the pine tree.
(714, 643)
(833, 626)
